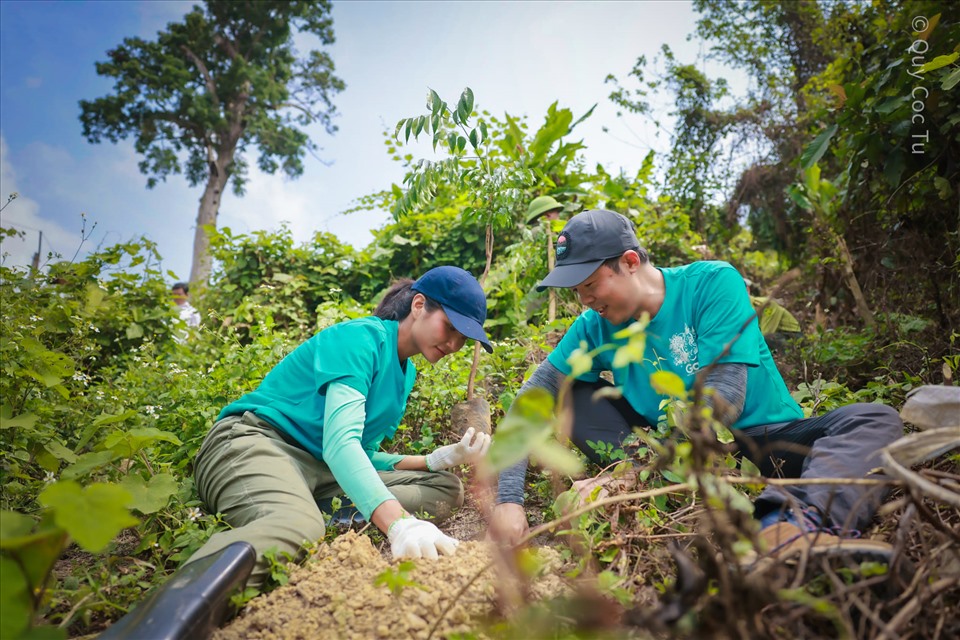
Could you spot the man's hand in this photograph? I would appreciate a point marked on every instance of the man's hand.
(413, 538)
(508, 524)
(471, 448)
(619, 479)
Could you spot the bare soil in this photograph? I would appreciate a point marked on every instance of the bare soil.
(336, 595)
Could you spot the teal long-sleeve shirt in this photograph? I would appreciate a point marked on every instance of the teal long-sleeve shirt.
(295, 397)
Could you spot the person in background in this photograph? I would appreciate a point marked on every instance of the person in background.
(181, 296)
(313, 427)
(695, 311)
(542, 211)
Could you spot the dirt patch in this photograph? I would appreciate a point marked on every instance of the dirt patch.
(336, 595)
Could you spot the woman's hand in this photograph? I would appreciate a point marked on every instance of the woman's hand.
(508, 524)
(471, 448)
(413, 538)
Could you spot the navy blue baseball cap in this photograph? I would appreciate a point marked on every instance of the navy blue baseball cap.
(587, 240)
(461, 297)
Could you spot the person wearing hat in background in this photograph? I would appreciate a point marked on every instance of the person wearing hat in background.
(700, 314)
(312, 430)
(546, 209)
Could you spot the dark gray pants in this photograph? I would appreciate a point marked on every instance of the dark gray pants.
(844, 443)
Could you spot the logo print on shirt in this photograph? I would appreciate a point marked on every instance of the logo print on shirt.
(683, 348)
(563, 245)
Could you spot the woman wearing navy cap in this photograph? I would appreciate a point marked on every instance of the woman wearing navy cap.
(312, 429)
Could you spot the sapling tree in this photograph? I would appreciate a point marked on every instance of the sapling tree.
(226, 78)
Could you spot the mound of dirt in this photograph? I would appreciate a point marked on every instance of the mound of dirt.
(335, 595)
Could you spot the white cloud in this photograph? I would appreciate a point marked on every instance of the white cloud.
(23, 214)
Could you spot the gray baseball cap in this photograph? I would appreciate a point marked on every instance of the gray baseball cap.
(586, 241)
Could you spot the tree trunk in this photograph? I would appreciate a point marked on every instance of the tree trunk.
(209, 208)
(219, 161)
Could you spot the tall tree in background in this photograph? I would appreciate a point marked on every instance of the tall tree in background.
(226, 77)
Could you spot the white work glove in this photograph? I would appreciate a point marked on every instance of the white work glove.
(470, 449)
(413, 538)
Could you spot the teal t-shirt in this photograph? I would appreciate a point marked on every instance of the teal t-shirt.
(361, 354)
(704, 307)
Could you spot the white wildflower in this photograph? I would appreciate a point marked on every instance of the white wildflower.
(194, 514)
(49, 477)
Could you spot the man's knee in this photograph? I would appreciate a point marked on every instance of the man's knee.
(881, 422)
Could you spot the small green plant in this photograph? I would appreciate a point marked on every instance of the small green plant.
(396, 580)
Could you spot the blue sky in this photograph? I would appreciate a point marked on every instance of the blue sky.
(518, 57)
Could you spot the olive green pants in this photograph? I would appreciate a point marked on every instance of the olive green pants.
(267, 489)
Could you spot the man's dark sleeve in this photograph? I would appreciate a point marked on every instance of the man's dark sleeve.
(729, 382)
(510, 485)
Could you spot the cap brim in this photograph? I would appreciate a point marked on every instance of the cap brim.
(468, 327)
(569, 275)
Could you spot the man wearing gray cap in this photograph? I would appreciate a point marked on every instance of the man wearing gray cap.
(700, 314)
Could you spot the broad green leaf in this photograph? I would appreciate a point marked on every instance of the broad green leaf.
(134, 331)
(668, 384)
(406, 130)
(433, 102)
(951, 80)
(467, 99)
(673, 476)
(813, 153)
(110, 418)
(724, 434)
(126, 443)
(528, 422)
(580, 361)
(15, 601)
(630, 353)
(22, 421)
(150, 497)
(87, 462)
(483, 131)
(748, 469)
(92, 515)
(60, 452)
(552, 455)
(473, 140)
(461, 143)
(939, 61)
(14, 526)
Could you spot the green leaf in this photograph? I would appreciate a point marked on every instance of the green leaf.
(939, 61)
(673, 476)
(92, 515)
(22, 421)
(951, 80)
(580, 361)
(15, 601)
(668, 384)
(134, 331)
(630, 353)
(125, 444)
(60, 452)
(473, 140)
(87, 462)
(110, 418)
(552, 455)
(818, 147)
(150, 497)
(467, 99)
(406, 130)
(461, 143)
(528, 422)
(748, 469)
(433, 102)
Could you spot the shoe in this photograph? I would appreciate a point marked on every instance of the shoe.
(787, 541)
